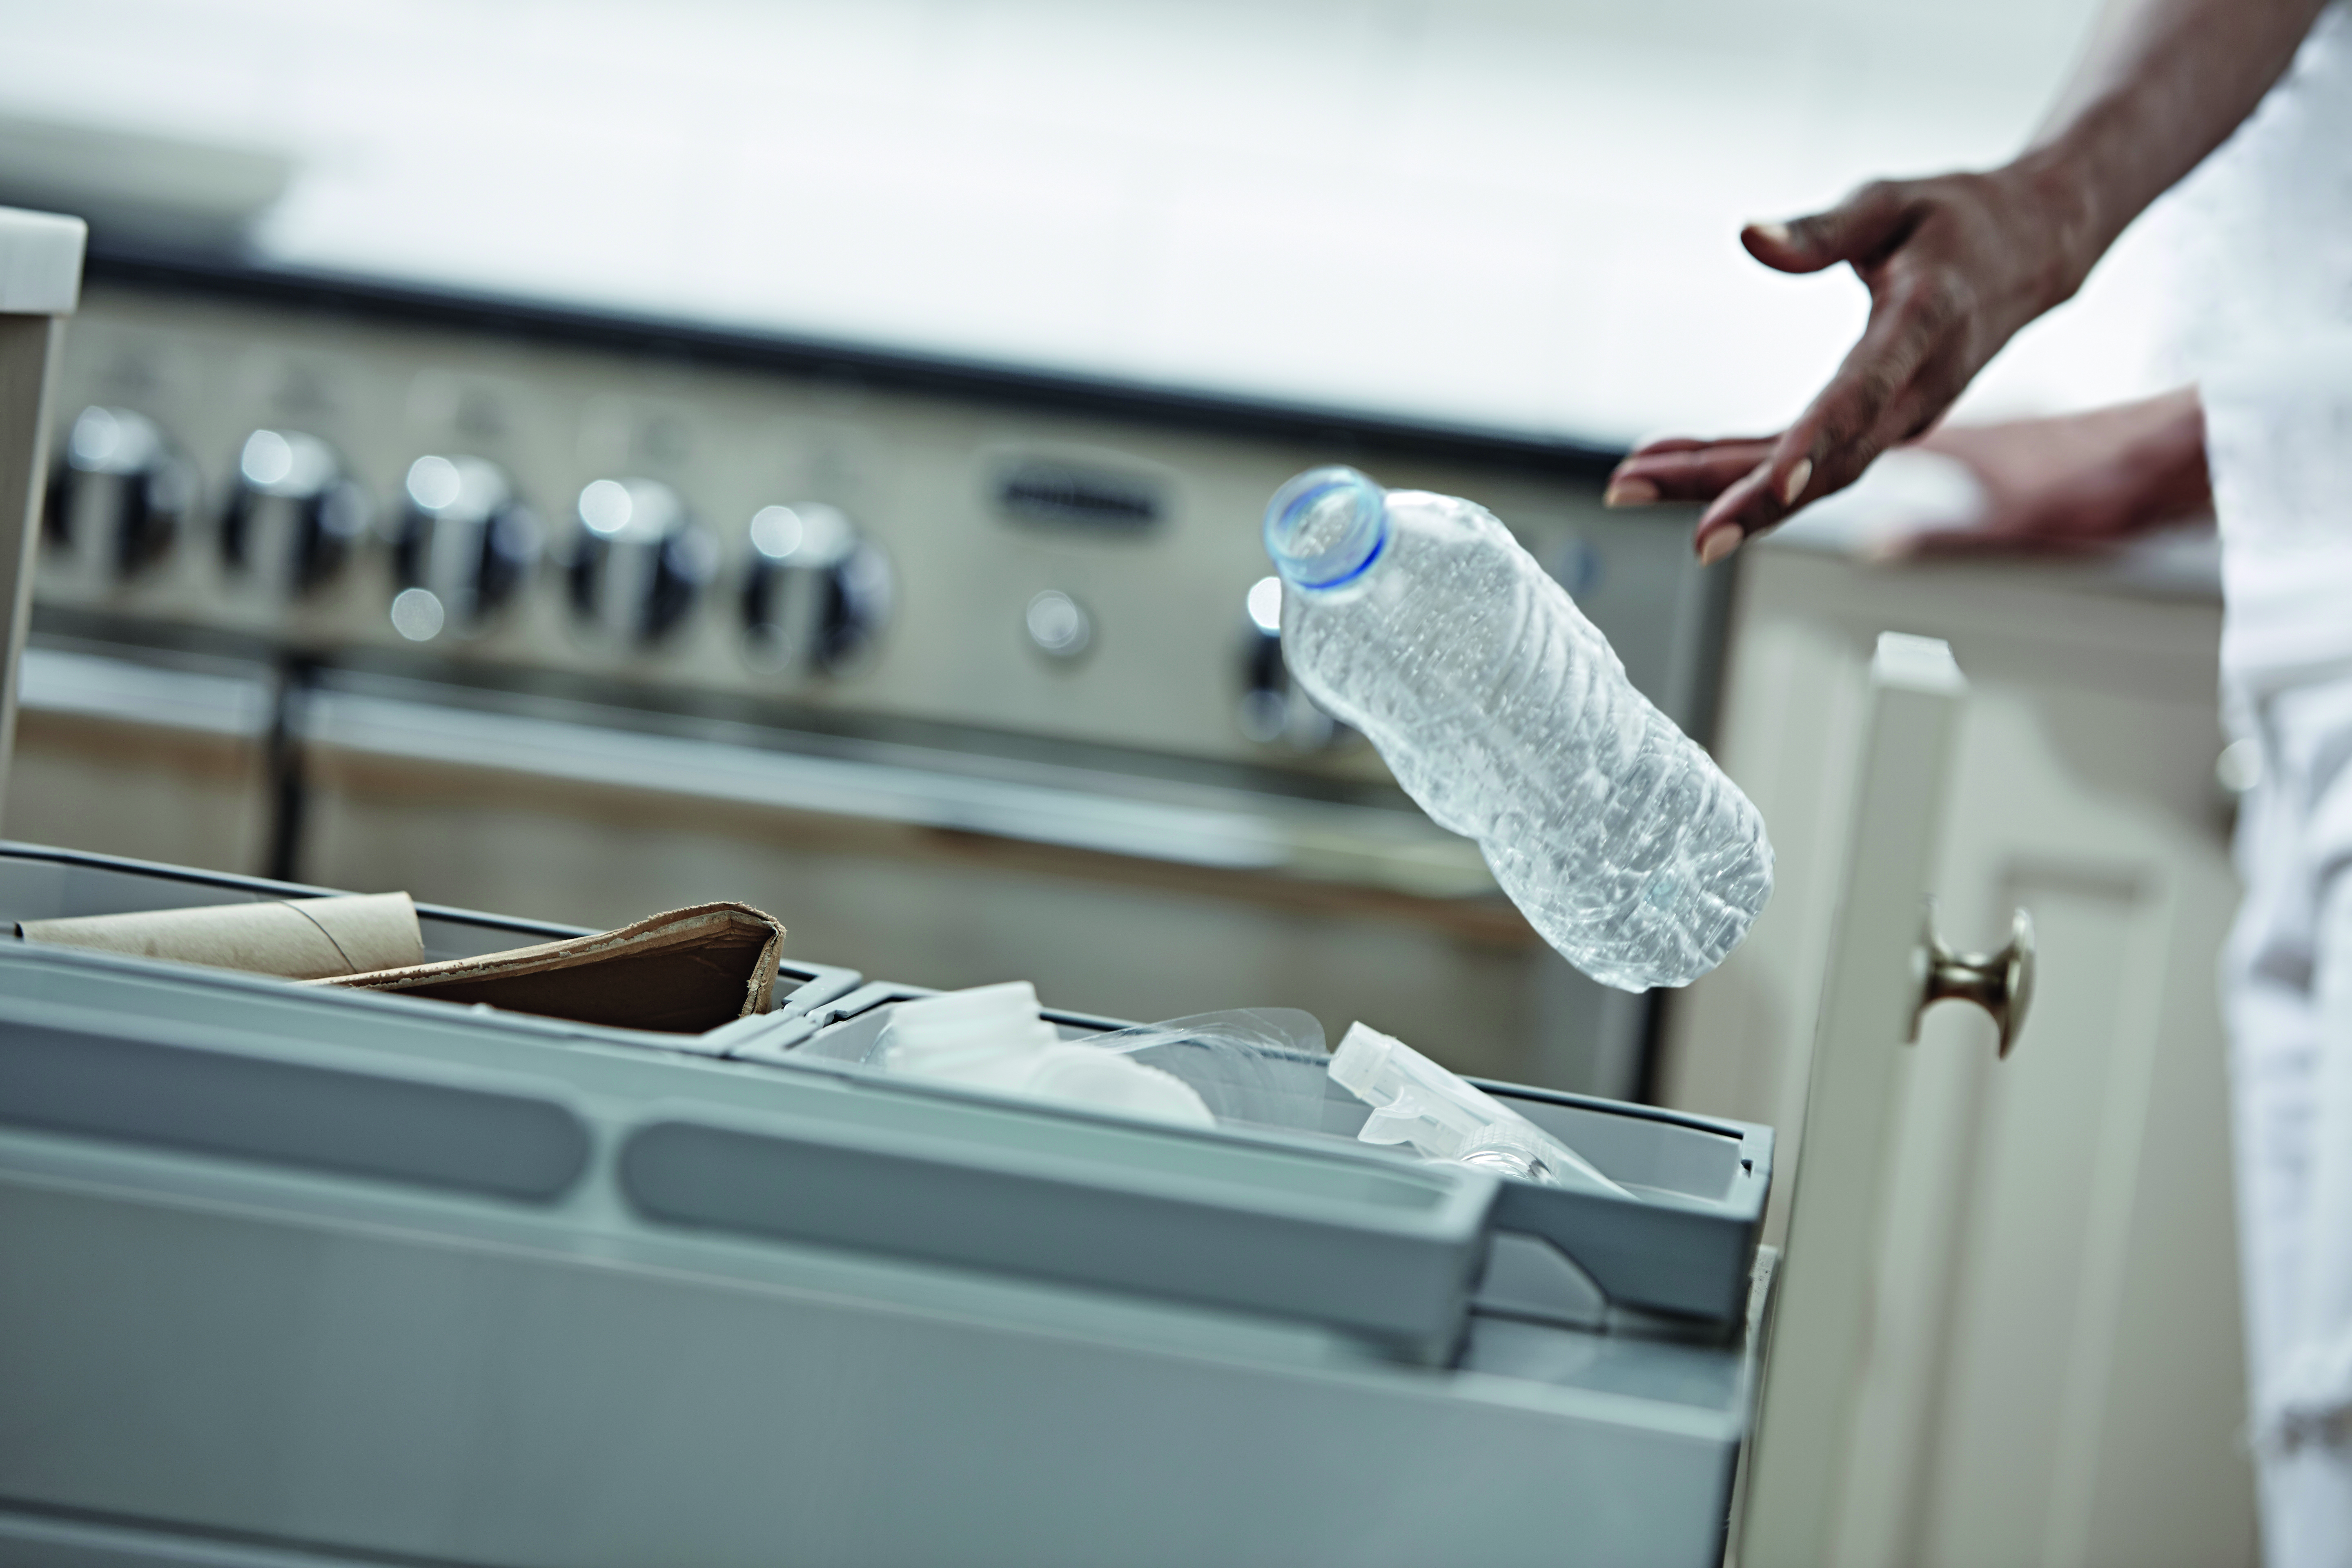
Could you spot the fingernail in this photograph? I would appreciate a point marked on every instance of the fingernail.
(1629, 492)
(1721, 543)
(1777, 233)
(1794, 485)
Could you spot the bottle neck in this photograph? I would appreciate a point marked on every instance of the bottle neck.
(1326, 528)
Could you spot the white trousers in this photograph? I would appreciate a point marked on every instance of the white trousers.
(2288, 978)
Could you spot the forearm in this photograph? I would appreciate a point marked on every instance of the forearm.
(2162, 453)
(2163, 83)
(2078, 482)
(2162, 436)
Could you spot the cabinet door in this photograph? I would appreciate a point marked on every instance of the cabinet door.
(2048, 1368)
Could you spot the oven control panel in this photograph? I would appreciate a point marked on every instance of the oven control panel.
(328, 481)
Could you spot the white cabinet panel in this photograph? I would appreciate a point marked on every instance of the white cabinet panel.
(2052, 1365)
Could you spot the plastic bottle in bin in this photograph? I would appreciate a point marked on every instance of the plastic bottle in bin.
(1418, 619)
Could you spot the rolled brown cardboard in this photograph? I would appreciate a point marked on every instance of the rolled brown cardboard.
(303, 939)
(680, 972)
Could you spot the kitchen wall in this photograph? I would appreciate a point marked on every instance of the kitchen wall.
(1520, 215)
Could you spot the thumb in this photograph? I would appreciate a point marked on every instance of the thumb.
(1858, 229)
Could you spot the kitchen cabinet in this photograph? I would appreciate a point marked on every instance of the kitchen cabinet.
(164, 759)
(2052, 1359)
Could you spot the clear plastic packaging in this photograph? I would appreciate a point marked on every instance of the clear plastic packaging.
(1253, 1067)
(991, 1037)
(1418, 1103)
(1247, 1067)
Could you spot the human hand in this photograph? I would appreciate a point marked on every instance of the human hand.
(1955, 266)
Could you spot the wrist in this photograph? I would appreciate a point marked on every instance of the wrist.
(2172, 452)
(2156, 475)
(2056, 191)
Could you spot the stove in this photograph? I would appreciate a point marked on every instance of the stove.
(539, 607)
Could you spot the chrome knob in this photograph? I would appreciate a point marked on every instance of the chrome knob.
(118, 495)
(292, 515)
(2000, 982)
(1057, 625)
(638, 562)
(1276, 710)
(817, 592)
(464, 544)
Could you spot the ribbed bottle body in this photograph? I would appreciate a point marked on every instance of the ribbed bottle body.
(1505, 713)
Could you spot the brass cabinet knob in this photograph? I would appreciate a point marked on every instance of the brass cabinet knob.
(2000, 982)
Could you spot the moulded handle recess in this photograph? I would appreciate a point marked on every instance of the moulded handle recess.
(2000, 982)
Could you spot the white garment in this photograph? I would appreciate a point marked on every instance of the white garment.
(2289, 969)
(2278, 430)
(2270, 336)
(2265, 327)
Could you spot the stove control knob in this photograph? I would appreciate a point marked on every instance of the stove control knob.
(1274, 709)
(463, 546)
(638, 562)
(117, 494)
(817, 592)
(293, 516)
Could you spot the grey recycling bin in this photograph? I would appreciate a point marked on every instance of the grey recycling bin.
(1673, 1259)
(296, 1274)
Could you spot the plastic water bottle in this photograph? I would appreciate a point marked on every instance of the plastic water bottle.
(1419, 619)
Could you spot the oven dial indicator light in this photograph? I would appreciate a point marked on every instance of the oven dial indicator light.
(1059, 625)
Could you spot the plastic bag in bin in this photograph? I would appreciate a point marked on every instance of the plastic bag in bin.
(1262, 1067)
(1253, 1067)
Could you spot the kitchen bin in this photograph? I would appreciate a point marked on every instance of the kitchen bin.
(1677, 1254)
(345, 1276)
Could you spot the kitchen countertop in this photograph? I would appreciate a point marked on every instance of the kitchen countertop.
(40, 263)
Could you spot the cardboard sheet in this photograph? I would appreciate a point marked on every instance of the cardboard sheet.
(681, 972)
(300, 938)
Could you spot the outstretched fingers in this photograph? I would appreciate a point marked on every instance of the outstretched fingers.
(1890, 386)
(1860, 229)
(1682, 470)
(1746, 508)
